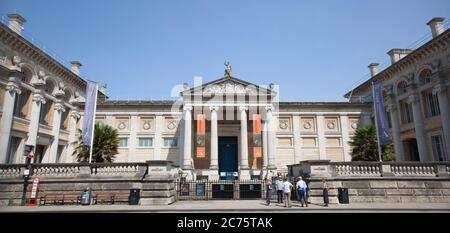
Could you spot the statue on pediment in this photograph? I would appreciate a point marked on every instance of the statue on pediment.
(227, 69)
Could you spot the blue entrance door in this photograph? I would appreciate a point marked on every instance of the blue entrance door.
(228, 158)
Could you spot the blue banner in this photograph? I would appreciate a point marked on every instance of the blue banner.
(381, 124)
(89, 112)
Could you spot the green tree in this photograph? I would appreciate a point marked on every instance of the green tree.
(105, 146)
(365, 147)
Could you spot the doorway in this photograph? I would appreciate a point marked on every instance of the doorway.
(228, 158)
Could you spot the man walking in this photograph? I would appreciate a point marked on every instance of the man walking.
(325, 193)
(279, 188)
(301, 191)
(268, 184)
(287, 186)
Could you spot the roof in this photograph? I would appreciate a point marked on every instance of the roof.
(393, 66)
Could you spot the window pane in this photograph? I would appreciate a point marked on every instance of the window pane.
(123, 142)
(145, 142)
(170, 142)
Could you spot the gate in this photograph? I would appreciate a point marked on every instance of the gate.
(219, 189)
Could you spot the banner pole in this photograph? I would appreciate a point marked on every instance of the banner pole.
(93, 124)
(376, 123)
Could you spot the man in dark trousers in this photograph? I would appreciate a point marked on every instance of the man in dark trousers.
(279, 188)
(325, 193)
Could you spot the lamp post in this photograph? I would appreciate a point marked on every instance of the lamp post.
(29, 153)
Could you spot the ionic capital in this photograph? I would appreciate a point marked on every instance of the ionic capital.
(413, 98)
(13, 87)
(440, 88)
(75, 114)
(187, 108)
(243, 108)
(214, 108)
(39, 98)
(59, 106)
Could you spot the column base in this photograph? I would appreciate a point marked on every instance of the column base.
(244, 174)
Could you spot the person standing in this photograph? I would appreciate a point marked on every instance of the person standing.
(268, 184)
(301, 191)
(325, 193)
(287, 186)
(279, 188)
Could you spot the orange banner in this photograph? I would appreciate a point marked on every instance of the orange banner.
(256, 124)
(200, 140)
(201, 124)
(257, 136)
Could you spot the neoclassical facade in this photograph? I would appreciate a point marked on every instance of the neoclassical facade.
(416, 97)
(39, 99)
(224, 129)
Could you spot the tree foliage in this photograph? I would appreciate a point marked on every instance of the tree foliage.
(105, 146)
(365, 146)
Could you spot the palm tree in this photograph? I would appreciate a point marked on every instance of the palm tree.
(105, 146)
(365, 147)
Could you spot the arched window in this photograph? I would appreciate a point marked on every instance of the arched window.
(425, 76)
(401, 87)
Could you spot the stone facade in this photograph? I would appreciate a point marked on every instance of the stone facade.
(406, 182)
(416, 96)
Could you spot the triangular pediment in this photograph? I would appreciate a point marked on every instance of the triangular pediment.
(228, 85)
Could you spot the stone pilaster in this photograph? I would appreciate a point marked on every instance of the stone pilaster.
(37, 101)
(57, 112)
(158, 142)
(345, 138)
(74, 116)
(297, 139)
(321, 137)
(441, 91)
(6, 121)
(414, 99)
(398, 147)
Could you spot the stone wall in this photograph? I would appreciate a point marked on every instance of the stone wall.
(155, 179)
(406, 182)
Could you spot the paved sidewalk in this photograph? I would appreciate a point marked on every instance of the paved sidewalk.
(239, 206)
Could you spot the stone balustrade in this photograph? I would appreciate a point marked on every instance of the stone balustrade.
(325, 168)
(55, 170)
(10, 171)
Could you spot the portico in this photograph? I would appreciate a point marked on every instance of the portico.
(228, 105)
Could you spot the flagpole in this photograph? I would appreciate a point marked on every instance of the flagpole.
(93, 122)
(376, 123)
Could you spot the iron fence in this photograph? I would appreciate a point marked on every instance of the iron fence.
(220, 189)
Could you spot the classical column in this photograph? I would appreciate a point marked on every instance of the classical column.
(37, 101)
(57, 112)
(321, 137)
(265, 145)
(345, 138)
(297, 139)
(12, 90)
(244, 138)
(414, 99)
(74, 116)
(158, 142)
(398, 147)
(271, 140)
(214, 139)
(441, 90)
(187, 138)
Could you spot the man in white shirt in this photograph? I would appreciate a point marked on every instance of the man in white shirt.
(279, 187)
(301, 191)
(287, 193)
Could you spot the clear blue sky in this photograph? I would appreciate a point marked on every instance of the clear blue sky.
(315, 50)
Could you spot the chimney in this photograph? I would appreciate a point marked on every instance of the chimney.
(76, 67)
(437, 26)
(373, 69)
(397, 54)
(16, 22)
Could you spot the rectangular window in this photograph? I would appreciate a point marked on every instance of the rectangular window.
(123, 142)
(145, 142)
(406, 111)
(388, 115)
(18, 105)
(170, 142)
(432, 104)
(438, 149)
